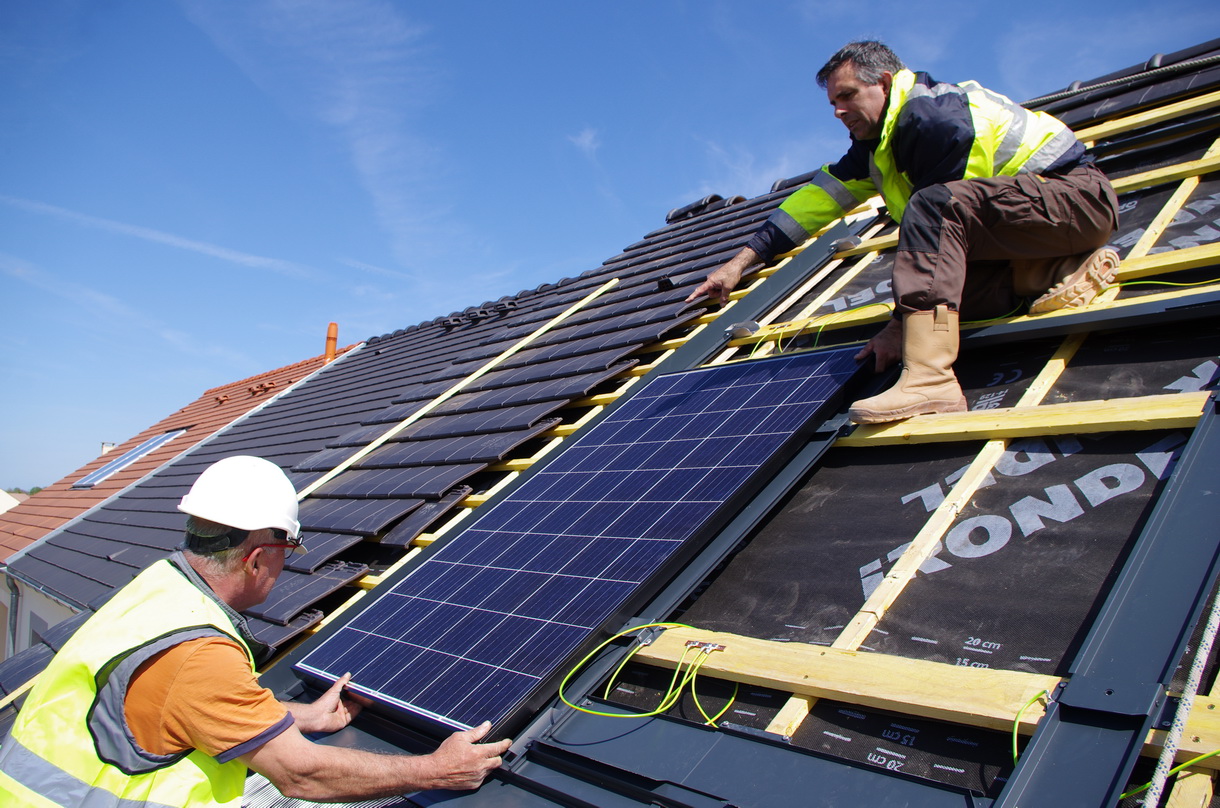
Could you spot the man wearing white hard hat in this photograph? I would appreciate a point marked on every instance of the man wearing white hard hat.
(154, 701)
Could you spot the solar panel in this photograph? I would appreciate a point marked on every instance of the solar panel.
(487, 625)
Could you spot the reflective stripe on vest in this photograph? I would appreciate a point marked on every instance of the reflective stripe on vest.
(69, 733)
(1021, 122)
(1008, 139)
(823, 199)
(53, 783)
(836, 189)
(108, 720)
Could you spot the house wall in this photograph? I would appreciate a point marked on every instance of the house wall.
(34, 612)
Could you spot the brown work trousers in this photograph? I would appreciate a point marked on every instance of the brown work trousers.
(957, 241)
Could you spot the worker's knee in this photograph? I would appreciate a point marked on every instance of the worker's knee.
(923, 220)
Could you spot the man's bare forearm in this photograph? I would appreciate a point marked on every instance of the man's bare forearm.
(302, 769)
(348, 775)
(723, 280)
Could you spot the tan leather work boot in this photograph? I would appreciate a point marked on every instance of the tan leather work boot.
(1073, 281)
(927, 383)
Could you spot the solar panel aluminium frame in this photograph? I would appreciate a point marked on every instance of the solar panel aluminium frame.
(526, 699)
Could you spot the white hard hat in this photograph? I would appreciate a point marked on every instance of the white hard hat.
(244, 492)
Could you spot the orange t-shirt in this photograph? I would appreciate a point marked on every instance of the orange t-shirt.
(201, 695)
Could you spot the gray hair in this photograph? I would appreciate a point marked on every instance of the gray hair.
(869, 58)
(210, 544)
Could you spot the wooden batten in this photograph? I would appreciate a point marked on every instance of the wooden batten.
(974, 696)
(1149, 117)
(1141, 413)
(979, 697)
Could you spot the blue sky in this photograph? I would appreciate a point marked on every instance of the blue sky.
(190, 191)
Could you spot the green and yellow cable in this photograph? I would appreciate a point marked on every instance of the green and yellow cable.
(1172, 771)
(710, 720)
(677, 684)
(1012, 313)
(1016, 722)
(1168, 283)
(830, 318)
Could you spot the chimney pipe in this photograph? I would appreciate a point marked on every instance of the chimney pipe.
(332, 341)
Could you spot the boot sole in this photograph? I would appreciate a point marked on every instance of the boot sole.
(861, 416)
(1079, 289)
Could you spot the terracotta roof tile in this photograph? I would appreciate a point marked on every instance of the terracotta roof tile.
(217, 407)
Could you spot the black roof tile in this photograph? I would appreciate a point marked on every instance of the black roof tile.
(55, 636)
(363, 517)
(21, 667)
(321, 548)
(421, 482)
(419, 519)
(277, 634)
(294, 592)
(484, 448)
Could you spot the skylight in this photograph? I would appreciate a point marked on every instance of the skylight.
(126, 459)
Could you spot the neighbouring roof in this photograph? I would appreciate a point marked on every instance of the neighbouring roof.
(9, 501)
(65, 500)
(893, 600)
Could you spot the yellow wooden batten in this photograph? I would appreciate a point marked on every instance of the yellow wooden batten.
(869, 245)
(1173, 261)
(429, 406)
(1158, 264)
(1166, 174)
(979, 697)
(1191, 789)
(963, 695)
(1149, 117)
(1168, 411)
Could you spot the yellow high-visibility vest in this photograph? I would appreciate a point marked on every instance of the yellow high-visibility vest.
(70, 744)
(1008, 140)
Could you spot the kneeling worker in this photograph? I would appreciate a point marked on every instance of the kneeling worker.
(154, 700)
(994, 202)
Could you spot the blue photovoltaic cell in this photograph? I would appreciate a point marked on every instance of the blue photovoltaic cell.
(483, 629)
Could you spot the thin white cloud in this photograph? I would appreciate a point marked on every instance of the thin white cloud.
(740, 171)
(588, 142)
(286, 268)
(367, 290)
(108, 309)
(82, 296)
(364, 70)
(376, 270)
